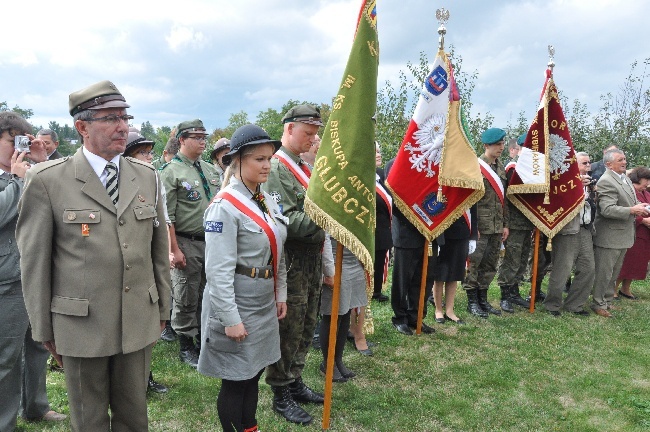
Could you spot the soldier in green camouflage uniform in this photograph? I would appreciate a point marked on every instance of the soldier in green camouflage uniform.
(190, 183)
(518, 246)
(492, 227)
(304, 265)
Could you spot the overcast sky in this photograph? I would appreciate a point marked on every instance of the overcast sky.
(178, 60)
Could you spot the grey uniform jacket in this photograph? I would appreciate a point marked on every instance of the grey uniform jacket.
(614, 224)
(96, 278)
(10, 190)
(232, 238)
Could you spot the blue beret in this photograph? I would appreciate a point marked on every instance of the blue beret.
(492, 136)
(521, 138)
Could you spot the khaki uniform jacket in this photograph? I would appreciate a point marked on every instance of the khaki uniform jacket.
(492, 215)
(106, 292)
(614, 224)
(186, 197)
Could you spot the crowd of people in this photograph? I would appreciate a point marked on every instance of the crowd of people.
(107, 251)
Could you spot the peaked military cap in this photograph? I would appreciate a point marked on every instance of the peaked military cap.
(246, 135)
(100, 95)
(190, 126)
(304, 114)
(493, 136)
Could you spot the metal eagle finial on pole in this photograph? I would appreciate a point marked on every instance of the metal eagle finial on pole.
(442, 15)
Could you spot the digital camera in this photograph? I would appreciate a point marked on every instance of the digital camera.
(22, 143)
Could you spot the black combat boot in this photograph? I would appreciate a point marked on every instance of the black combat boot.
(168, 334)
(484, 304)
(472, 304)
(301, 393)
(505, 304)
(516, 298)
(284, 405)
(187, 352)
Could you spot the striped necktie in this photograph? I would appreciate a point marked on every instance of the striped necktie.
(111, 182)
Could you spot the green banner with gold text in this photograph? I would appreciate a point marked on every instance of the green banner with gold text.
(341, 193)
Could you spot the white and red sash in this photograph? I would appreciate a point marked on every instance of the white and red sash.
(250, 209)
(510, 165)
(385, 196)
(492, 178)
(468, 219)
(301, 172)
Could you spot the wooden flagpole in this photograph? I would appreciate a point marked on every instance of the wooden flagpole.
(533, 281)
(423, 283)
(329, 366)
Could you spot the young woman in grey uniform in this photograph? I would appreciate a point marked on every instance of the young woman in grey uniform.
(245, 295)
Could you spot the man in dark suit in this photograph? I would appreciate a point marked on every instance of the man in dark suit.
(617, 207)
(408, 245)
(96, 271)
(383, 237)
(51, 141)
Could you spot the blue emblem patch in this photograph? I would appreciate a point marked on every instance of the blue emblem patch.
(436, 82)
(193, 195)
(213, 226)
(432, 206)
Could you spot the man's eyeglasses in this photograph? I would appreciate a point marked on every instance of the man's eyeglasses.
(198, 138)
(112, 119)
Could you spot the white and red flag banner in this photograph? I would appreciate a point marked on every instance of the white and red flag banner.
(436, 176)
(546, 184)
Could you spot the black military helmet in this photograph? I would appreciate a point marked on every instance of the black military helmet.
(248, 134)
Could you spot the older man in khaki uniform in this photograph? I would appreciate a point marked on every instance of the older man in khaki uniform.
(96, 271)
(190, 183)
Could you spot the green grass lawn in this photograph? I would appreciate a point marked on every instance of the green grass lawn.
(518, 372)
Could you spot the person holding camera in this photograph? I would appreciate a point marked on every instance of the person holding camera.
(16, 342)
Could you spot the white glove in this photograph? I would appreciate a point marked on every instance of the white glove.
(472, 246)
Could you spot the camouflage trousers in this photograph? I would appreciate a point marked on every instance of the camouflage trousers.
(515, 261)
(187, 288)
(304, 272)
(483, 262)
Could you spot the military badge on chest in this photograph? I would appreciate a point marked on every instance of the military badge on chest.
(193, 195)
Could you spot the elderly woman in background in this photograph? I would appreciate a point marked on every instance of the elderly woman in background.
(246, 289)
(635, 264)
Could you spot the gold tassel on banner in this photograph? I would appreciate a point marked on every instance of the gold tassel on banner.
(430, 252)
(549, 246)
(439, 197)
(547, 201)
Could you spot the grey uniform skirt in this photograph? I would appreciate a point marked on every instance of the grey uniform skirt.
(353, 286)
(222, 357)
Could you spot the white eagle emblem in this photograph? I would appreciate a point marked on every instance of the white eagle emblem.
(559, 155)
(427, 150)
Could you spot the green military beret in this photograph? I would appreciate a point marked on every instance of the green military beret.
(521, 139)
(304, 114)
(493, 136)
(190, 126)
(100, 95)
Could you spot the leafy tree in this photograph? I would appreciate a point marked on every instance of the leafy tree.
(25, 113)
(147, 131)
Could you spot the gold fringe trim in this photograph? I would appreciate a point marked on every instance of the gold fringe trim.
(527, 188)
(550, 233)
(340, 233)
(430, 235)
(368, 323)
